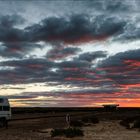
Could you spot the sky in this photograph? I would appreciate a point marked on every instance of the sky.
(70, 53)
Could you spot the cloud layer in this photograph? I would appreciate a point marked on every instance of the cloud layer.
(66, 45)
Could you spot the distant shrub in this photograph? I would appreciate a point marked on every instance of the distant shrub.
(69, 132)
(57, 132)
(76, 123)
(73, 132)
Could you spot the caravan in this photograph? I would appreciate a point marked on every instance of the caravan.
(5, 111)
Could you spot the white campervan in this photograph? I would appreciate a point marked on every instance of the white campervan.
(5, 111)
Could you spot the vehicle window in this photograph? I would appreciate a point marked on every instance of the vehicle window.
(1, 100)
(6, 108)
(0, 108)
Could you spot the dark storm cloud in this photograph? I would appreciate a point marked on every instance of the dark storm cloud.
(72, 29)
(11, 34)
(30, 70)
(92, 56)
(17, 49)
(25, 71)
(75, 29)
(34, 70)
(9, 21)
(60, 52)
(14, 42)
(31, 63)
(120, 58)
(73, 64)
(65, 30)
(8, 32)
(123, 68)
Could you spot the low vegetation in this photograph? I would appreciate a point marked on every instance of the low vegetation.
(57, 132)
(69, 132)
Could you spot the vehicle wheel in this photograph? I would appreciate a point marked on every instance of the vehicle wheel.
(3, 122)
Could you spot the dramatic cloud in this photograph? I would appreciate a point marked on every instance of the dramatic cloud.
(92, 56)
(69, 30)
(42, 70)
(9, 21)
(14, 42)
(8, 32)
(70, 53)
(75, 29)
(123, 67)
(17, 49)
(60, 52)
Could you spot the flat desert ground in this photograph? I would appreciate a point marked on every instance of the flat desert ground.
(37, 125)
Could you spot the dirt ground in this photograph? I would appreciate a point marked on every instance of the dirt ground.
(39, 129)
(110, 130)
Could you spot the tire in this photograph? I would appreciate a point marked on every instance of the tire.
(3, 122)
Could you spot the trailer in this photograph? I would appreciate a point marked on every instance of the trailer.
(5, 111)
